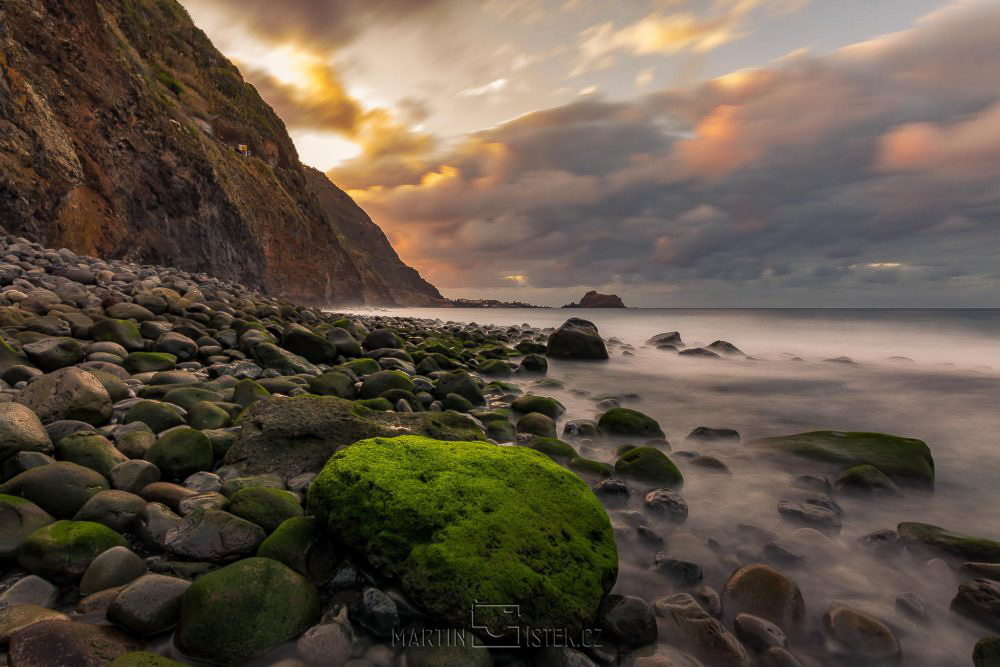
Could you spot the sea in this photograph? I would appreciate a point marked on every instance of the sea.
(927, 374)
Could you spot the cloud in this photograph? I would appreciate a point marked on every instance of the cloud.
(863, 177)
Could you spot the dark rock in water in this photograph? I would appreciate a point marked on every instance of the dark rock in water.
(576, 339)
(658, 655)
(987, 652)
(613, 491)
(699, 352)
(813, 483)
(671, 338)
(667, 503)
(980, 571)
(780, 554)
(65, 643)
(594, 300)
(375, 612)
(149, 605)
(763, 591)
(840, 360)
(681, 572)
(934, 539)
(628, 619)
(725, 349)
(629, 423)
(710, 463)
(59, 488)
(62, 551)
(213, 535)
(758, 634)
(19, 518)
(818, 510)
(913, 605)
(865, 479)
(244, 610)
(688, 625)
(709, 434)
(904, 460)
(650, 465)
(860, 636)
(979, 600)
(489, 523)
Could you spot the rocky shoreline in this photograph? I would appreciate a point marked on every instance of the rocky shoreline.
(193, 472)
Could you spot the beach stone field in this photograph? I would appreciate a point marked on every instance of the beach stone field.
(195, 473)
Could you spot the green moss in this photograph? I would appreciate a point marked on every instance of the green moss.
(648, 464)
(378, 383)
(535, 423)
(144, 362)
(587, 466)
(625, 422)
(143, 659)
(553, 448)
(208, 415)
(62, 551)
(186, 397)
(372, 404)
(903, 459)
(124, 332)
(363, 366)
(158, 416)
(934, 538)
(549, 407)
(495, 368)
(333, 383)
(266, 507)
(302, 544)
(244, 610)
(456, 522)
(90, 450)
(181, 452)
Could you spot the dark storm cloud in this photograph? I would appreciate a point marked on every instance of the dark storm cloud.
(851, 171)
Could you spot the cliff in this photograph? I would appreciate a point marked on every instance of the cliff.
(120, 125)
(594, 300)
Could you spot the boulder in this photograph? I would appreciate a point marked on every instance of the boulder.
(68, 393)
(763, 591)
(65, 643)
(148, 605)
(59, 488)
(576, 339)
(244, 610)
(181, 452)
(459, 522)
(650, 465)
(688, 625)
(19, 518)
(61, 552)
(862, 637)
(943, 542)
(213, 535)
(21, 431)
(629, 423)
(303, 545)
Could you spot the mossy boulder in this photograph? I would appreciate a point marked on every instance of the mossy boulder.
(19, 518)
(208, 415)
(576, 339)
(90, 450)
(930, 538)
(59, 488)
(333, 383)
(186, 397)
(157, 415)
(143, 659)
(494, 368)
(457, 522)
(549, 407)
(144, 362)
(456, 403)
(362, 367)
(629, 423)
(378, 383)
(313, 347)
(244, 610)
(181, 452)
(554, 448)
(648, 464)
(590, 467)
(302, 544)
(266, 507)
(62, 551)
(122, 332)
(247, 391)
(904, 460)
(269, 355)
(461, 383)
(501, 430)
(535, 423)
(865, 479)
(297, 435)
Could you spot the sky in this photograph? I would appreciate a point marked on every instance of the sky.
(691, 153)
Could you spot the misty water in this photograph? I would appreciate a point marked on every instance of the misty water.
(928, 374)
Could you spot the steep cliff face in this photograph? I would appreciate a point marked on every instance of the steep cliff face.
(120, 125)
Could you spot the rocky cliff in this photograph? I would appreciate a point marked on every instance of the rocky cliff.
(593, 299)
(120, 135)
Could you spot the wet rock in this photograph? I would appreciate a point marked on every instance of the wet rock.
(669, 338)
(149, 605)
(61, 552)
(325, 644)
(987, 652)
(934, 539)
(452, 656)
(710, 463)
(301, 544)
(267, 508)
(687, 624)
(628, 619)
(576, 339)
(91, 450)
(51, 354)
(758, 634)
(535, 423)
(709, 434)
(818, 483)
(245, 609)
(884, 540)
(629, 423)
(725, 349)
(668, 504)
(213, 535)
(865, 480)
(980, 571)
(59, 488)
(782, 555)
(860, 636)
(699, 352)
(64, 643)
(912, 605)
(681, 572)
(68, 393)
(612, 491)
(30, 590)
(115, 567)
(979, 600)
(763, 591)
(19, 518)
(545, 405)
(816, 510)
(21, 431)
(181, 452)
(374, 611)
(650, 465)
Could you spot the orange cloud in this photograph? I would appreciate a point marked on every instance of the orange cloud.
(719, 146)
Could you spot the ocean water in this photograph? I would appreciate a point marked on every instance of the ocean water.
(927, 374)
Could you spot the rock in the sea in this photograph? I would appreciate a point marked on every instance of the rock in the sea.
(65, 643)
(987, 652)
(865, 479)
(149, 605)
(934, 539)
(761, 590)
(649, 465)
(979, 600)
(68, 393)
(904, 460)
(709, 434)
(686, 624)
(629, 423)
(61, 552)
(303, 545)
(593, 299)
(245, 609)
(213, 535)
(628, 619)
(576, 339)
(459, 522)
(668, 504)
(862, 637)
(115, 567)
